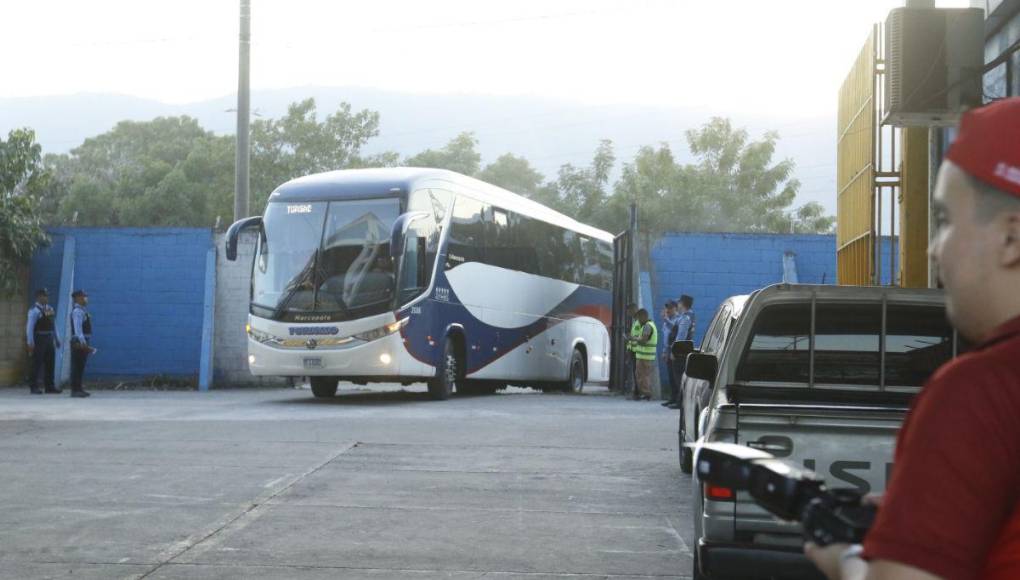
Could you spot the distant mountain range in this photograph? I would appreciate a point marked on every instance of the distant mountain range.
(547, 132)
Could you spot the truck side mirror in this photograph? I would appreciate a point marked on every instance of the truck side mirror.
(702, 366)
(400, 229)
(682, 348)
(235, 230)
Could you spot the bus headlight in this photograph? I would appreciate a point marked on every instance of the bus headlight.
(251, 359)
(258, 335)
(385, 358)
(382, 331)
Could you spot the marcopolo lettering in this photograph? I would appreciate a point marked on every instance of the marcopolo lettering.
(313, 330)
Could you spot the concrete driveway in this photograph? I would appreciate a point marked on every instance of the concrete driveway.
(371, 484)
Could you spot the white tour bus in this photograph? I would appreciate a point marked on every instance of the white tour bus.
(407, 274)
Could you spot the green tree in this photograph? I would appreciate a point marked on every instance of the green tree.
(582, 192)
(299, 144)
(810, 218)
(458, 155)
(512, 173)
(732, 186)
(168, 171)
(22, 177)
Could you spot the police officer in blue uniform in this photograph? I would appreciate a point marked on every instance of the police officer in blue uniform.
(42, 340)
(81, 337)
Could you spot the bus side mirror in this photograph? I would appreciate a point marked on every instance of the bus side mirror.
(235, 230)
(702, 366)
(400, 229)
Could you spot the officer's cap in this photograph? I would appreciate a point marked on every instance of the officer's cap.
(42, 292)
(78, 293)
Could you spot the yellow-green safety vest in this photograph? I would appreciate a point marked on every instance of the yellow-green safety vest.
(647, 351)
(635, 332)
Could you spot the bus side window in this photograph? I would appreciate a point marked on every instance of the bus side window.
(467, 233)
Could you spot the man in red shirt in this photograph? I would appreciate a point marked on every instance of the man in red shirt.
(952, 508)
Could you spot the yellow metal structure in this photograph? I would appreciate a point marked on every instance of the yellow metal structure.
(855, 170)
(913, 202)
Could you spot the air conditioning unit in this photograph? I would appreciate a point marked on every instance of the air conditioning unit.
(933, 65)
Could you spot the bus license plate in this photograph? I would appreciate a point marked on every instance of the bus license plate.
(313, 363)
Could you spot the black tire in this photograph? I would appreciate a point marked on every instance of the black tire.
(449, 374)
(696, 573)
(324, 387)
(686, 460)
(575, 380)
(686, 453)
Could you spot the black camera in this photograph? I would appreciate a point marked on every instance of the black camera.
(788, 492)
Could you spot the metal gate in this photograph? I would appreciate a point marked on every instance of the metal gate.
(623, 294)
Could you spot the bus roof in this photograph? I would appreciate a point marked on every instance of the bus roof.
(394, 181)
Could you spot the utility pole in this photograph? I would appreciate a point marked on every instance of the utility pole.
(241, 177)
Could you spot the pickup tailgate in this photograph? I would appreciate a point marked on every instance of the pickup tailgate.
(849, 446)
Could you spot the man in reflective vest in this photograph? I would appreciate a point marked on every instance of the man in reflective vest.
(629, 380)
(644, 342)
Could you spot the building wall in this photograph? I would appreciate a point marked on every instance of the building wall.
(146, 291)
(13, 314)
(1003, 80)
(230, 346)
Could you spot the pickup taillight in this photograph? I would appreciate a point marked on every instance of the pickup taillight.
(718, 493)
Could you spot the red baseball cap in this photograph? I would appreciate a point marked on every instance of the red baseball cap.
(988, 145)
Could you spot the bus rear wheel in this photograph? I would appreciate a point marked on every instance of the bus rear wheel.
(324, 387)
(449, 374)
(575, 382)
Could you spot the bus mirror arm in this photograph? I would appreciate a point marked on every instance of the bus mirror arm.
(400, 226)
(235, 230)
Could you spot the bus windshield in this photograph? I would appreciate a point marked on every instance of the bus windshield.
(328, 258)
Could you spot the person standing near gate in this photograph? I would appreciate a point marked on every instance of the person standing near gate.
(81, 335)
(670, 317)
(630, 364)
(683, 330)
(645, 346)
(41, 337)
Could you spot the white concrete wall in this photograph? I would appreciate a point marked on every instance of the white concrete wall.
(230, 348)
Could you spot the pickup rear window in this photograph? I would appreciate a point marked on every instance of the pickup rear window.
(847, 346)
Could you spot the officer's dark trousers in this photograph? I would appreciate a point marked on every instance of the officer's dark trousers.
(43, 357)
(676, 377)
(78, 358)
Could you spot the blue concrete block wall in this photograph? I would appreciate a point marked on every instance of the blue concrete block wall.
(45, 269)
(713, 267)
(146, 290)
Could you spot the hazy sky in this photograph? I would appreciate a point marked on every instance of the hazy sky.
(782, 57)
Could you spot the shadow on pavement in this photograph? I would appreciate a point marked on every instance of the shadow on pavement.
(374, 398)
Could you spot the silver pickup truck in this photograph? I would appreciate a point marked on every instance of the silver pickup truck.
(818, 375)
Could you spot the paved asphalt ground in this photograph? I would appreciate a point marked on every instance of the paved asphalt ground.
(372, 484)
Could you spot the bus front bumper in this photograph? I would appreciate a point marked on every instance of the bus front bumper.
(382, 357)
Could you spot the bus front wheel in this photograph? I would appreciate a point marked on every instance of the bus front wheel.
(324, 387)
(448, 374)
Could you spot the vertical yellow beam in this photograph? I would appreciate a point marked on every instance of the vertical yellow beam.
(855, 169)
(913, 200)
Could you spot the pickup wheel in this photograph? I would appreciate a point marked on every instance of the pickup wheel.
(696, 573)
(324, 387)
(686, 454)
